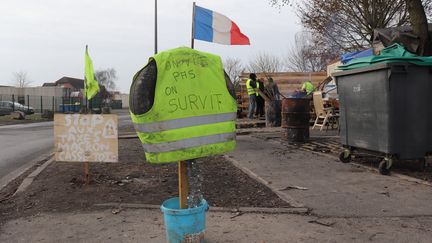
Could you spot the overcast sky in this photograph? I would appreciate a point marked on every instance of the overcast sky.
(47, 38)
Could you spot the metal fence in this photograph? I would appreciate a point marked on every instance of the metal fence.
(39, 104)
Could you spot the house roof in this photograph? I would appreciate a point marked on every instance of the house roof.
(48, 84)
(67, 82)
(74, 82)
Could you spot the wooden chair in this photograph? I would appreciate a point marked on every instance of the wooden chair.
(323, 115)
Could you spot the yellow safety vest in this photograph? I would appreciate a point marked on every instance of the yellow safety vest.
(258, 85)
(193, 114)
(250, 89)
(309, 87)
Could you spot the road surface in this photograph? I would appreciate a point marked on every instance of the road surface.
(21, 144)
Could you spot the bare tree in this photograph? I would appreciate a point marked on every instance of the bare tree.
(418, 18)
(308, 56)
(233, 67)
(349, 24)
(107, 78)
(265, 63)
(20, 79)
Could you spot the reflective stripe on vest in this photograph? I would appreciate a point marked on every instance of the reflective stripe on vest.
(258, 85)
(184, 122)
(188, 143)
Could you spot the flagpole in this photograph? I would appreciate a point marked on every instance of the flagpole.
(155, 28)
(193, 26)
(85, 88)
(86, 163)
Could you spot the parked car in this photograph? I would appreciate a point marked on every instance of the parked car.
(10, 106)
(5, 108)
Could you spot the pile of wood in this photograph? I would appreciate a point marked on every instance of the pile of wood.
(287, 83)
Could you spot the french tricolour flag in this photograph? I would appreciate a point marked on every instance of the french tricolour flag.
(215, 27)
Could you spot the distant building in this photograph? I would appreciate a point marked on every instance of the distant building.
(49, 96)
(65, 91)
(120, 100)
(39, 98)
(67, 82)
(70, 86)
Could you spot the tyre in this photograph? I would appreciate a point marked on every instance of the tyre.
(422, 164)
(384, 167)
(344, 158)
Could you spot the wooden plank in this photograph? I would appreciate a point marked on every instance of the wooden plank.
(183, 184)
(287, 83)
(286, 75)
(86, 138)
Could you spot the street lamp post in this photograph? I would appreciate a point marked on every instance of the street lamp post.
(155, 34)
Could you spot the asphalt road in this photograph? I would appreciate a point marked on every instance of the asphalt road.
(21, 144)
(123, 118)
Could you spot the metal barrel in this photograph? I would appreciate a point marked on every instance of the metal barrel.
(295, 119)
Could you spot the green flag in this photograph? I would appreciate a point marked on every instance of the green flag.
(91, 84)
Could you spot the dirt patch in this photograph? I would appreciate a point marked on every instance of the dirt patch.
(59, 188)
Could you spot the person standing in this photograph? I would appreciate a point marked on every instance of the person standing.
(273, 108)
(272, 90)
(259, 99)
(251, 85)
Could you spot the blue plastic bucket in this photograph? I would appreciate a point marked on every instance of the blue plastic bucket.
(184, 225)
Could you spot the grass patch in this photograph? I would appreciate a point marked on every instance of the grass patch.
(9, 120)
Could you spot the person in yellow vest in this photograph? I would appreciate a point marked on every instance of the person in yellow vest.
(181, 107)
(308, 87)
(251, 85)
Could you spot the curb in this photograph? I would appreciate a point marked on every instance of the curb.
(254, 176)
(127, 136)
(213, 209)
(18, 172)
(29, 179)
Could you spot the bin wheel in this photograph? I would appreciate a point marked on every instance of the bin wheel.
(423, 164)
(345, 157)
(385, 166)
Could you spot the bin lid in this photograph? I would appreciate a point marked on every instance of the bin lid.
(370, 68)
(393, 53)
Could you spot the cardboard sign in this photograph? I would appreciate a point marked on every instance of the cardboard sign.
(86, 138)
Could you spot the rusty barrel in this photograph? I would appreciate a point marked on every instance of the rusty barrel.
(295, 119)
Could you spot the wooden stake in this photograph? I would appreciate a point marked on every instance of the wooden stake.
(183, 184)
(86, 173)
